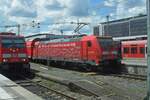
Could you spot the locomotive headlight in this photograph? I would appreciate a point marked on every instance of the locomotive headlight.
(23, 59)
(5, 60)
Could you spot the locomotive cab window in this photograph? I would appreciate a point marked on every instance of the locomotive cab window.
(89, 44)
(105, 43)
(142, 50)
(126, 50)
(133, 50)
(13, 42)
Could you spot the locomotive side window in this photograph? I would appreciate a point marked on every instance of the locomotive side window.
(126, 50)
(133, 50)
(89, 44)
(142, 50)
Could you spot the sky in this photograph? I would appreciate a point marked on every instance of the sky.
(56, 15)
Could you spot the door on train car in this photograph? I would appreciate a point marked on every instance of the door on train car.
(134, 51)
(90, 50)
(84, 50)
(146, 51)
(87, 50)
(35, 50)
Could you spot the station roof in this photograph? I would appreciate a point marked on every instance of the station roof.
(134, 42)
(124, 19)
(130, 38)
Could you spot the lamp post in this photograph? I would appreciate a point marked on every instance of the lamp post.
(107, 17)
(148, 53)
(18, 29)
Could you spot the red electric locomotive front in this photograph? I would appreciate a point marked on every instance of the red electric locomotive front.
(100, 50)
(89, 50)
(13, 52)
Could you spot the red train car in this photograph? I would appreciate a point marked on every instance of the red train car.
(29, 49)
(13, 52)
(30, 44)
(90, 50)
(134, 49)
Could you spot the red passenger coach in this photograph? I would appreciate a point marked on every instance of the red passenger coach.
(134, 49)
(13, 52)
(89, 50)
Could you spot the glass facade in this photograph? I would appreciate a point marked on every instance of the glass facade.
(138, 27)
(125, 27)
(117, 29)
(96, 31)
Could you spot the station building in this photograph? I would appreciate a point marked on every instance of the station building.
(132, 26)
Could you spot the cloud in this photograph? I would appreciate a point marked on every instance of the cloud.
(109, 3)
(134, 3)
(54, 5)
(20, 8)
(52, 11)
(130, 8)
(22, 13)
(79, 8)
(126, 8)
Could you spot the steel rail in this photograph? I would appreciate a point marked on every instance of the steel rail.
(130, 76)
(52, 90)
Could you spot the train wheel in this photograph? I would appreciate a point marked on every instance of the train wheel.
(86, 68)
(26, 68)
(1, 67)
(95, 68)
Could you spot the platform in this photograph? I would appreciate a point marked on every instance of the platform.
(11, 91)
(135, 62)
(136, 66)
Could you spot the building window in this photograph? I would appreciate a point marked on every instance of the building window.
(133, 50)
(126, 50)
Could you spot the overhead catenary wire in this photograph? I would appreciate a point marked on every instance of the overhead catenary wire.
(39, 24)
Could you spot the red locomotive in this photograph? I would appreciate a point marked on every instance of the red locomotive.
(91, 50)
(13, 52)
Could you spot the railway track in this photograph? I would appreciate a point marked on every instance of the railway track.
(105, 90)
(43, 91)
(130, 76)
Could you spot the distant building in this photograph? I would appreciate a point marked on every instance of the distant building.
(96, 30)
(131, 26)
